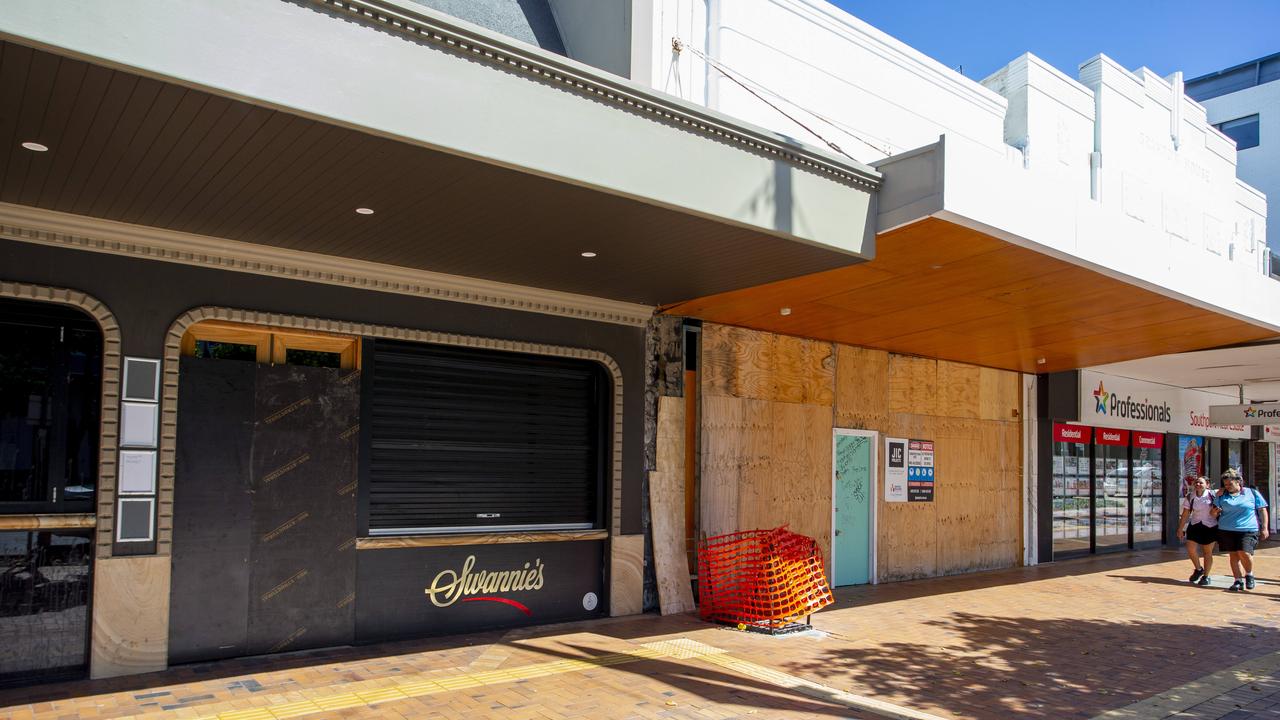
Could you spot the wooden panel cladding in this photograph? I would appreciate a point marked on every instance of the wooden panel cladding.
(742, 363)
(47, 522)
(940, 290)
(626, 575)
(273, 344)
(767, 462)
(130, 616)
(766, 432)
(970, 413)
(412, 541)
(667, 504)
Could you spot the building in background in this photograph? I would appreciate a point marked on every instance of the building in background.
(335, 322)
(1244, 103)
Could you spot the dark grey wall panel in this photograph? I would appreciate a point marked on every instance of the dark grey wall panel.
(147, 296)
(302, 582)
(208, 601)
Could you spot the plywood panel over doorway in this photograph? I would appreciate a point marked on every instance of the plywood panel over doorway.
(766, 442)
(941, 290)
(766, 461)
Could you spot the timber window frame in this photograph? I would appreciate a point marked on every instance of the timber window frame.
(272, 344)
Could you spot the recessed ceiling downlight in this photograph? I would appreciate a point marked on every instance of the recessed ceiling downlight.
(588, 254)
(364, 211)
(35, 147)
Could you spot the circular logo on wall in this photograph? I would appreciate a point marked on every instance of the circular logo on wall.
(589, 601)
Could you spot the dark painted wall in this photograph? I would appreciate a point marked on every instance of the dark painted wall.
(147, 296)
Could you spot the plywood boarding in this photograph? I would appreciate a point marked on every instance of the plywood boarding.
(735, 434)
(766, 458)
(942, 290)
(913, 385)
(130, 616)
(974, 522)
(670, 456)
(763, 366)
(862, 387)
(626, 575)
(766, 446)
(666, 505)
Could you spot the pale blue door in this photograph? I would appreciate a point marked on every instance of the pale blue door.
(851, 541)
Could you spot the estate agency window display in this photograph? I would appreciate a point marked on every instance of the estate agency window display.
(1108, 489)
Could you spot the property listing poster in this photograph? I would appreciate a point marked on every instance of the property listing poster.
(920, 471)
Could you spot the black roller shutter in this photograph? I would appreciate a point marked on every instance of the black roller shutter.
(465, 438)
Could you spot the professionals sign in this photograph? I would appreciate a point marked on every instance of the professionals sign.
(1254, 414)
(1120, 402)
(920, 471)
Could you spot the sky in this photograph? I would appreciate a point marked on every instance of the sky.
(982, 36)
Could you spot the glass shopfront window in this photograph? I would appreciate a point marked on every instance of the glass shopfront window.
(1111, 489)
(44, 600)
(1148, 487)
(1108, 489)
(1072, 511)
(50, 393)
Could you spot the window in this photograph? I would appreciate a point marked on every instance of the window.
(1243, 130)
(50, 407)
(218, 340)
(463, 439)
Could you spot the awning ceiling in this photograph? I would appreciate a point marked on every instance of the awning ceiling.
(140, 150)
(942, 290)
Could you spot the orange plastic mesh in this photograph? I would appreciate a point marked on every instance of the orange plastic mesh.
(765, 578)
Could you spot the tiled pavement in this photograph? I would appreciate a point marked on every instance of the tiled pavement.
(1074, 639)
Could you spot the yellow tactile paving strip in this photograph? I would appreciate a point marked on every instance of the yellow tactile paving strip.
(371, 692)
(1171, 702)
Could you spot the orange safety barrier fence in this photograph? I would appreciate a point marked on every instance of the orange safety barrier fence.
(763, 578)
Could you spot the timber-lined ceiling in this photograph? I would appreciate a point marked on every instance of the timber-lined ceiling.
(942, 290)
(137, 150)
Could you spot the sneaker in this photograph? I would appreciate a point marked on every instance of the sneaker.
(1249, 582)
(1204, 581)
(1195, 575)
(1237, 586)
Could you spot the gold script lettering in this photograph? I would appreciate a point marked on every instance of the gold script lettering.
(449, 586)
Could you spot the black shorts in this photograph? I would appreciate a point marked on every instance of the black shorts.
(1202, 534)
(1234, 541)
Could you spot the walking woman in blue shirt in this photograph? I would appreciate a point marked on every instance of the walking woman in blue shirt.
(1242, 517)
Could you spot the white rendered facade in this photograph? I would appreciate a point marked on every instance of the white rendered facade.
(1258, 165)
(1114, 170)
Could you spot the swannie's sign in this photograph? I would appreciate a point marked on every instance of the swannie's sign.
(1120, 402)
(470, 585)
(406, 592)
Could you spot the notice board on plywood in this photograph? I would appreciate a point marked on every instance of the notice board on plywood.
(920, 471)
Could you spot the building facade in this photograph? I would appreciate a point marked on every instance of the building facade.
(305, 352)
(1244, 103)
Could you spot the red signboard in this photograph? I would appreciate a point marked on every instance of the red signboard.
(1107, 436)
(1072, 433)
(1148, 439)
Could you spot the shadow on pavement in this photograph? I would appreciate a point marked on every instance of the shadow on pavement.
(1001, 667)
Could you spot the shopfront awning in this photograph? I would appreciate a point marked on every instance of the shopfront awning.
(480, 157)
(954, 279)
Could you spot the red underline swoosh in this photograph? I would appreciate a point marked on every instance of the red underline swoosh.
(505, 601)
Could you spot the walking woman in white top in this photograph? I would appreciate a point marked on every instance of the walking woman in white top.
(1199, 528)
